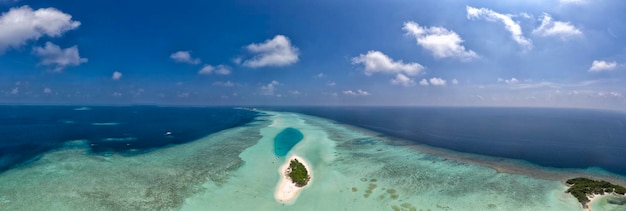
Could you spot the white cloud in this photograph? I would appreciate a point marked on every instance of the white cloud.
(219, 69)
(184, 57)
(207, 69)
(294, 92)
(330, 83)
(15, 90)
(275, 52)
(116, 75)
(269, 88)
(402, 80)
(616, 94)
(53, 55)
(441, 42)
(510, 25)
(47, 90)
(600, 66)
(356, 93)
(22, 24)
(509, 81)
(222, 70)
(225, 84)
(454, 81)
(237, 60)
(562, 30)
(437, 82)
(320, 75)
(424, 82)
(376, 61)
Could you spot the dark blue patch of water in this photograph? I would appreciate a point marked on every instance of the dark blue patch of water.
(562, 138)
(285, 140)
(28, 131)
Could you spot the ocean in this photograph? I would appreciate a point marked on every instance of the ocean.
(29, 131)
(360, 158)
(562, 138)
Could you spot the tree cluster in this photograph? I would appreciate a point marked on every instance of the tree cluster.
(298, 173)
(582, 187)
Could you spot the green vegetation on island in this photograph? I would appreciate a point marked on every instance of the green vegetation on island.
(582, 187)
(298, 173)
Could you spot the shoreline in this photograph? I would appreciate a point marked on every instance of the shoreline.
(595, 197)
(592, 199)
(286, 190)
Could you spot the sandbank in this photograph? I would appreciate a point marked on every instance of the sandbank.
(592, 198)
(287, 191)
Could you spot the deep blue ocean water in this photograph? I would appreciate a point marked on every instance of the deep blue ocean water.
(28, 131)
(562, 138)
(285, 140)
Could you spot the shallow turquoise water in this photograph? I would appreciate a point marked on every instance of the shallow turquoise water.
(355, 171)
(285, 140)
(237, 169)
(609, 203)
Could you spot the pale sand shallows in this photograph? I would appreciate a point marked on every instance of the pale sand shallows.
(592, 198)
(287, 191)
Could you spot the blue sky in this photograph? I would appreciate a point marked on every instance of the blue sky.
(567, 53)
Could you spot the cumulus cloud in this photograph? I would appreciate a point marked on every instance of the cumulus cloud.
(509, 81)
(356, 93)
(402, 80)
(275, 52)
(376, 61)
(219, 69)
(53, 55)
(600, 66)
(510, 25)
(441, 42)
(184, 57)
(47, 90)
(454, 81)
(437, 82)
(424, 82)
(22, 24)
(116, 75)
(562, 30)
(269, 88)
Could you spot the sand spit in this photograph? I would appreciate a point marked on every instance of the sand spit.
(286, 190)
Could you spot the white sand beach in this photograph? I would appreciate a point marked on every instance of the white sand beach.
(286, 190)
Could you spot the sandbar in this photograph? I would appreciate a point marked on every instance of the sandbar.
(592, 198)
(287, 191)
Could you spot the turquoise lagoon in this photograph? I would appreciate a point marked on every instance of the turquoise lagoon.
(237, 169)
(285, 140)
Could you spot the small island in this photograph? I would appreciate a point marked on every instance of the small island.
(295, 174)
(298, 173)
(583, 188)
